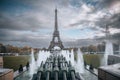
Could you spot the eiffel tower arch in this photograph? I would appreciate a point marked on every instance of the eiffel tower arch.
(56, 41)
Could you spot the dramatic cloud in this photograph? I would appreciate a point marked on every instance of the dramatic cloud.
(31, 22)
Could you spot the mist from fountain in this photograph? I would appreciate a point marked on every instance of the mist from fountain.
(108, 51)
(79, 65)
(65, 54)
(109, 48)
(42, 56)
(69, 56)
(72, 57)
(32, 63)
(80, 62)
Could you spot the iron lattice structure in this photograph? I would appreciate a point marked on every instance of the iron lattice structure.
(56, 41)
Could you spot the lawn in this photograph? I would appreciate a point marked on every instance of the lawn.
(13, 62)
(93, 59)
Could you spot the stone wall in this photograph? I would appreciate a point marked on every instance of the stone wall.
(103, 75)
(110, 72)
(113, 59)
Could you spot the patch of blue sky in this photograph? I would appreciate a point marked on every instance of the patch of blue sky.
(71, 33)
(77, 33)
(91, 2)
(75, 3)
(14, 6)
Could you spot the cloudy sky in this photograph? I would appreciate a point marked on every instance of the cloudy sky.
(31, 22)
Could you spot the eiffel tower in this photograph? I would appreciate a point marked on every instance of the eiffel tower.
(56, 38)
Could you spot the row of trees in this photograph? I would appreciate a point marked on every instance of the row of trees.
(93, 48)
(98, 48)
(15, 49)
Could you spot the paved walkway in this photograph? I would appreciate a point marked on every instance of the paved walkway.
(89, 76)
(16, 73)
(95, 71)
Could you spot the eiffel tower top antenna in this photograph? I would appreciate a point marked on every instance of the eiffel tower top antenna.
(56, 22)
(55, 4)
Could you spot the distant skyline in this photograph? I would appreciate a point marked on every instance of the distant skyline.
(31, 22)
